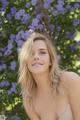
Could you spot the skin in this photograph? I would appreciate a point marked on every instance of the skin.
(44, 98)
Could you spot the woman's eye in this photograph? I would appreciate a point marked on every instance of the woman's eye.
(42, 52)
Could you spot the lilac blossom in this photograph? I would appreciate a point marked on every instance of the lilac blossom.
(60, 7)
(72, 48)
(27, 5)
(76, 22)
(13, 65)
(15, 117)
(52, 27)
(8, 48)
(12, 37)
(20, 35)
(58, 28)
(39, 16)
(55, 12)
(9, 16)
(34, 2)
(2, 66)
(68, 6)
(4, 83)
(2, 49)
(47, 3)
(40, 26)
(7, 52)
(13, 11)
(60, 2)
(69, 35)
(25, 18)
(19, 14)
(12, 89)
(78, 42)
(4, 4)
(19, 43)
(35, 23)
(76, 5)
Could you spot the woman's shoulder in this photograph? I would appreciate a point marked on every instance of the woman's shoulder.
(71, 80)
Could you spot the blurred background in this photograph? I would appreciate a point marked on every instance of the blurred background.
(58, 18)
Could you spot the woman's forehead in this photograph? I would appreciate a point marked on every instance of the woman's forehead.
(39, 44)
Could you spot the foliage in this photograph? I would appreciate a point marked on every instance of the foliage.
(60, 19)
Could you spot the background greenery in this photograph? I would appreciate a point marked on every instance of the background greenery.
(59, 18)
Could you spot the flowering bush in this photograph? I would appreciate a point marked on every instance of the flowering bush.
(60, 19)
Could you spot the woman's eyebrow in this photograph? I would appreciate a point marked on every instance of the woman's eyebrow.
(42, 49)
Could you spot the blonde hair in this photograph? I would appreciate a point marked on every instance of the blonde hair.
(28, 85)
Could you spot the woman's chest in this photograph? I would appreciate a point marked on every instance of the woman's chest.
(49, 108)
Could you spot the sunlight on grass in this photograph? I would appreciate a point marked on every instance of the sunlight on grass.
(77, 38)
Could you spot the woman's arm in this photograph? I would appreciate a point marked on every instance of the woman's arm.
(73, 82)
(29, 109)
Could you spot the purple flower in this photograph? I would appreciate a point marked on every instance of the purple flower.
(55, 12)
(34, 2)
(69, 35)
(19, 14)
(47, 3)
(18, 36)
(58, 28)
(4, 83)
(15, 117)
(13, 11)
(7, 52)
(13, 88)
(21, 35)
(72, 48)
(9, 16)
(2, 66)
(25, 18)
(19, 43)
(13, 65)
(40, 26)
(4, 4)
(61, 2)
(76, 5)
(27, 5)
(76, 22)
(34, 24)
(9, 46)
(52, 27)
(60, 7)
(12, 37)
(68, 6)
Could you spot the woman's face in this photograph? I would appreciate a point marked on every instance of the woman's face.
(39, 61)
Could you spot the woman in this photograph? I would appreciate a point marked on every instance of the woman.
(48, 92)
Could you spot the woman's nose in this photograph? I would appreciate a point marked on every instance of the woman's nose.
(36, 56)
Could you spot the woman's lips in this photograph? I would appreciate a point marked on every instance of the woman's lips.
(35, 64)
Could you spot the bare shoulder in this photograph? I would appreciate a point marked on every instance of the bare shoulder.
(71, 80)
(69, 76)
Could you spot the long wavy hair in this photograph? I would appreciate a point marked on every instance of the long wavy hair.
(26, 80)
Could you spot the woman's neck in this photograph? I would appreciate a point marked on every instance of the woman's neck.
(43, 82)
